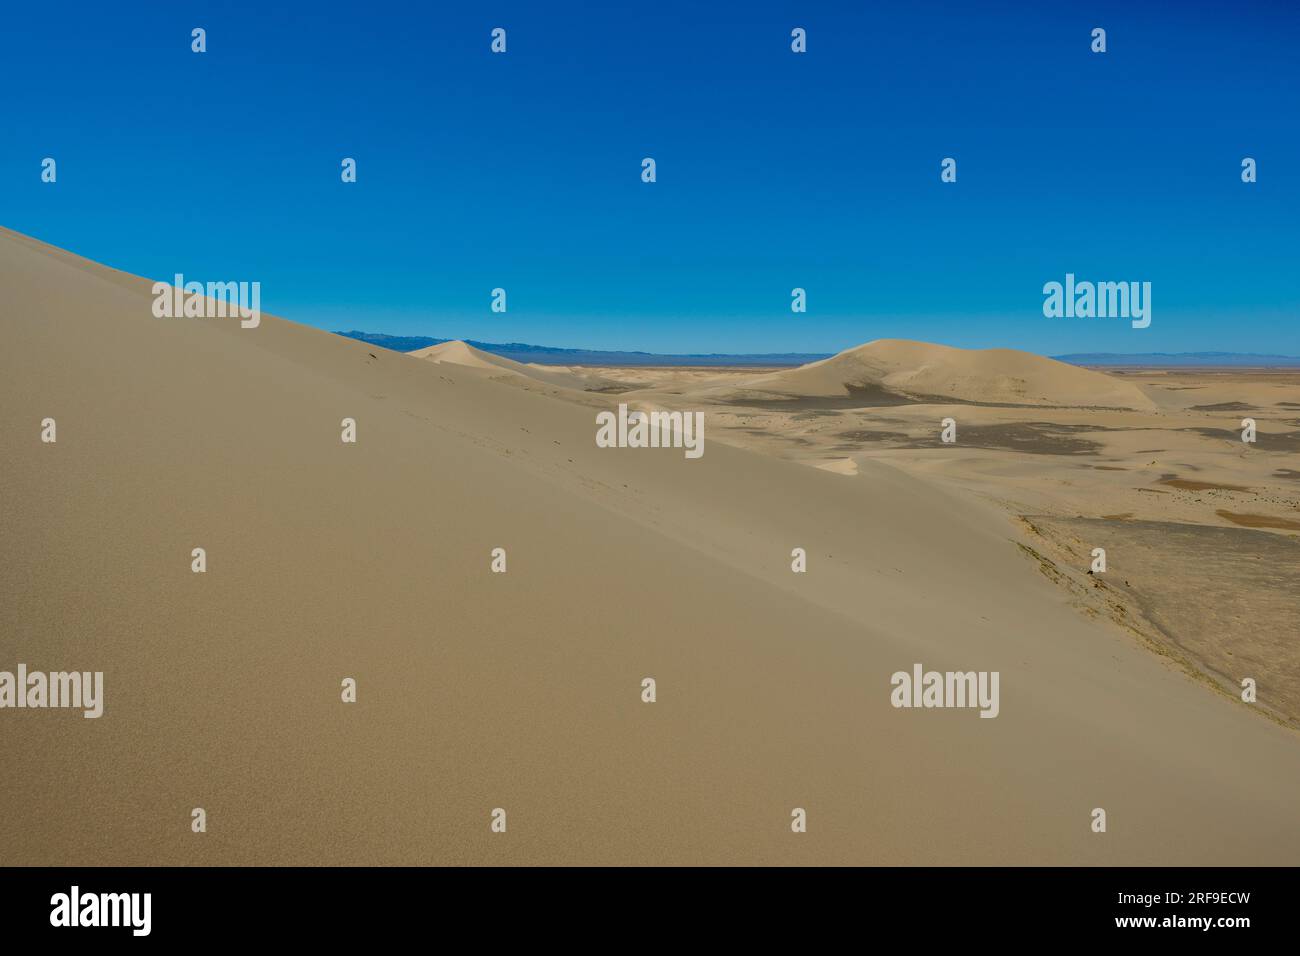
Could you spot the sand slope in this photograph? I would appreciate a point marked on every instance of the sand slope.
(522, 690)
(924, 371)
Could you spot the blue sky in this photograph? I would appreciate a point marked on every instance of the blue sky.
(775, 170)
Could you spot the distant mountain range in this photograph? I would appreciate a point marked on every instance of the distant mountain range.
(545, 355)
(1184, 359)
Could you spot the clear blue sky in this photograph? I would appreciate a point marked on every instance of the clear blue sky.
(775, 170)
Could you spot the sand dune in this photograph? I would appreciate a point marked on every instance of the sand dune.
(922, 371)
(522, 690)
(466, 356)
(460, 353)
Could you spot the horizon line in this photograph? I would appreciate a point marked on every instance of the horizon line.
(1208, 358)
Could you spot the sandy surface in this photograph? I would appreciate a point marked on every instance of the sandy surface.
(1171, 468)
(522, 690)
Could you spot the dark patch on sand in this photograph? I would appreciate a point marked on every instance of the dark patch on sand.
(1075, 429)
(1260, 521)
(1035, 438)
(857, 397)
(875, 396)
(1185, 484)
(1224, 599)
(1224, 407)
(814, 414)
(1265, 441)
(611, 389)
(866, 435)
(1287, 473)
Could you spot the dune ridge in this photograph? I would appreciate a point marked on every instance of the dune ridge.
(927, 372)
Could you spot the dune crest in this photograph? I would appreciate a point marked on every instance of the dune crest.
(923, 371)
(463, 354)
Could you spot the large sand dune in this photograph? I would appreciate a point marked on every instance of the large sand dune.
(522, 690)
(925, 372)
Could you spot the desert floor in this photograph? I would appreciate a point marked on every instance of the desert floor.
(1201, 530)
(522, 690)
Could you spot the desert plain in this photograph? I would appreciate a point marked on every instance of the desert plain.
(522, 691)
